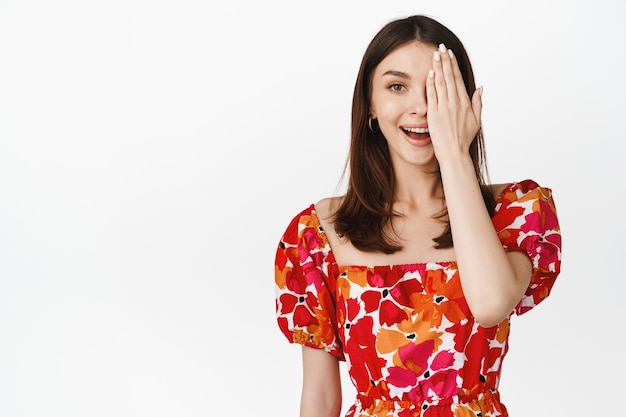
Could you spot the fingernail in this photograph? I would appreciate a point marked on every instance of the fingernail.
(480, 90)
(431, 74)
(442, 48)
(437, 56)
(450, 53)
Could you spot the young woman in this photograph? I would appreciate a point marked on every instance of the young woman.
(412, 276)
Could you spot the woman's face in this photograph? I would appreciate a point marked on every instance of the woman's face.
(399, 102)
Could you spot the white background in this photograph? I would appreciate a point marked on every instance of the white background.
(152, 153)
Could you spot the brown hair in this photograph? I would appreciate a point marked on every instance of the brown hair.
(367, 206)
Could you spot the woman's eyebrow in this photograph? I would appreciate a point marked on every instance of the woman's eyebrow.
(398, 74)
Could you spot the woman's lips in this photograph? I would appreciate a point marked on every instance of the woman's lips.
(418, 136)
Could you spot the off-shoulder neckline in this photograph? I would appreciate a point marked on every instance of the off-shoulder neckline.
(408, 266)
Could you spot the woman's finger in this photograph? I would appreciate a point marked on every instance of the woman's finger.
(440, 81)
(448, 74)
(431, 93)
(458, 78)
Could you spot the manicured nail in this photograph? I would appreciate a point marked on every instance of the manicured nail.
(442, 48)
(480, 90)
(431, 74)
(437, 56)
(450, 53)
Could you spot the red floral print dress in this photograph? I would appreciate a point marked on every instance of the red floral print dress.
(409, 340)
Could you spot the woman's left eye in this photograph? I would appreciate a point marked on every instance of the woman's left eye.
(396, 88)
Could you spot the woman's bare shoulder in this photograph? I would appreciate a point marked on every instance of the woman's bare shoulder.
(326, 208)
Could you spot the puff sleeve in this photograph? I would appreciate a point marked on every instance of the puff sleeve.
(305, 283)
(525, 219)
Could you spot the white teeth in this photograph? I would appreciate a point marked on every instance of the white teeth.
(416, 129)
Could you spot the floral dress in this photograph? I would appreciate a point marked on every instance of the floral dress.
(410, 342)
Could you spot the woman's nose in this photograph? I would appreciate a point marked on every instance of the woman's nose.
(418, 104)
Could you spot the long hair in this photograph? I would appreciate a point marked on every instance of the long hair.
(367, 206)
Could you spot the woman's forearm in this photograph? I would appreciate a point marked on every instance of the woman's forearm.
(493, 281)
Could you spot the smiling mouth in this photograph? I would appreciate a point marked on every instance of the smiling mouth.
(419, 130)
(417, 133)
